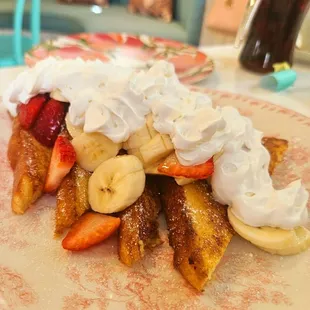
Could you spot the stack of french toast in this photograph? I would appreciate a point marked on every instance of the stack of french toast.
(44, 161)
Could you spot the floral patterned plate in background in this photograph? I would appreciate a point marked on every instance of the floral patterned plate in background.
(191, 65)
(36, 273)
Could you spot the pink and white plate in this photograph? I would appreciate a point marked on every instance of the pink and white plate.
(36, 273)
(141, 51)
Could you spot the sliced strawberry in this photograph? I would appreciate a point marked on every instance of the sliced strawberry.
(28, 112)
(90, 229)
(63, 158)
(173, 168)
(134, 41)
(48, 124)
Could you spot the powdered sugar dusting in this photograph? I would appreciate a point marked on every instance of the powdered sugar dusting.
(36, 273)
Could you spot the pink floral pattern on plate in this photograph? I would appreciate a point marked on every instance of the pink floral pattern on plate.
(36, 273)
(191, 65)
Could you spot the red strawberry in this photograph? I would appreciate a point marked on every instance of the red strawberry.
(173, 168)
(49, 121)
(28, 112)
(90, 229)
(134, 41)
(63, 158)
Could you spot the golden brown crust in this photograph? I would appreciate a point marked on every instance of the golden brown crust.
(276, 148)
(72, 199)
(65, 204)
(199, 230)
(139, 226)
(31, 168)
(14, 143)
(81, 180)
(65, 213)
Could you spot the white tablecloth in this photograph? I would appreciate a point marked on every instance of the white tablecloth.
(229, 76)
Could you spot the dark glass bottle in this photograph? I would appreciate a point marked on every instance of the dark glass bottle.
(273, 34)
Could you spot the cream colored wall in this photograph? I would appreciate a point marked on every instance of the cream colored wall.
(212, 37)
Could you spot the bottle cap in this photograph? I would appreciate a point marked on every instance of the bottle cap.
(279, 80)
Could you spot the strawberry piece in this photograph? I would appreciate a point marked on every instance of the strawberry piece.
(134, 42)
(63, 159)
(28, 112)
(90, 229)
(173, 168)
(48, 124)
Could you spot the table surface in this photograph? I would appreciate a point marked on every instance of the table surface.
(229, 76)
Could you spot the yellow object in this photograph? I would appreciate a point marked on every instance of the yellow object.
(281, 66)
(116, 184)
(273, 240)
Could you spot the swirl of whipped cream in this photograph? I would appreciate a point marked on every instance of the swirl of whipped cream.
(99, 96)
(241, 180)
(114, 101)
(153, 83)
(122, 113)
(215, 130)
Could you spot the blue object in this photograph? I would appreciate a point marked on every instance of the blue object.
(73, 18)
(278, 81)
(13, 47)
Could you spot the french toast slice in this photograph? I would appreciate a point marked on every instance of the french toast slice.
(71, 199)
(81, 177)
(199, 230)
(276, 148)
(139, 226)
(72, 195)
(65, 212)
(14, 143)
(30, 168)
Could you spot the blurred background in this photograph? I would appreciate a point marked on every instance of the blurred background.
(188, 23)
(195, 22)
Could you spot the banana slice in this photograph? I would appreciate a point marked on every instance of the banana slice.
(158, 148)
(272, 240)
(184, 181)
(57, 95)
(74, 131)
(116, 184)
(137, 153)
(92, 149)
(301, 243)
(268, 237)
(139, 138)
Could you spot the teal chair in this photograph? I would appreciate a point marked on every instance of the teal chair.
(13, 47)
(73, 18)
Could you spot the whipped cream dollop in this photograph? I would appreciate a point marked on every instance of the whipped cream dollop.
(114, 101)
(241, 180)
(99, 95)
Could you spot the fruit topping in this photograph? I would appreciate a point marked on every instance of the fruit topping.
(29, 112)
(48, 124)
(156, 149)
(272, 239)
(173, 168)
(74, 131)
(92, 149)
(90, 229)
(116, 184)
(63, 159)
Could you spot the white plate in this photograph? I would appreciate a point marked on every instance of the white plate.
(36, 273)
